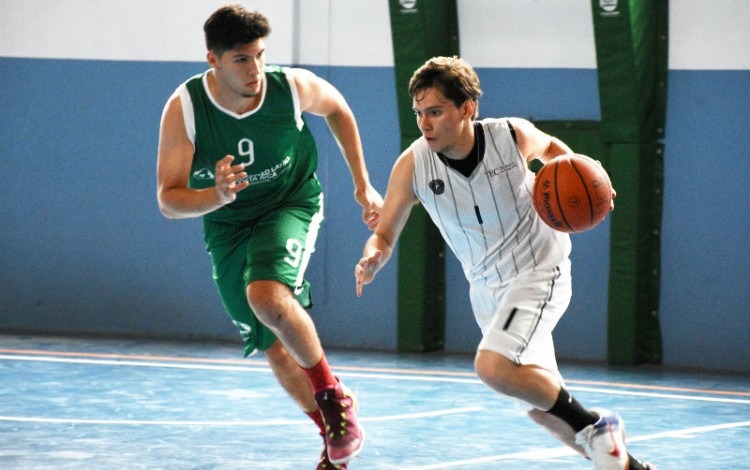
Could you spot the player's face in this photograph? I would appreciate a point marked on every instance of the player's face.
(443, 124)
(240, 70)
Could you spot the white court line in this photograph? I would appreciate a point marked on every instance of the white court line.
(543, 454)
(269, 422)
(660, 395)
(110, 362)
(368, 375)
(535, 454)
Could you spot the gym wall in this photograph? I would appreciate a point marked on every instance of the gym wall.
(86, 250)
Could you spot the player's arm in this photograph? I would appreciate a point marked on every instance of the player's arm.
(319, 97)
(535, 144)
(174, 160)
(399, 200)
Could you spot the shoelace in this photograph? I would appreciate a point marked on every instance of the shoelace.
(342, 422)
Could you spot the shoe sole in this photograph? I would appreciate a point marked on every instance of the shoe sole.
(353, 454)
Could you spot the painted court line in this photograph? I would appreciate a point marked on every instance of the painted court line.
(411, 372)
(377, 373)
(269, 422)
(661, 395)
(543, 454)
(108, 362)
(419, 378)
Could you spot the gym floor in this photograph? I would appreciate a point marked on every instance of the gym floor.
(97, 403)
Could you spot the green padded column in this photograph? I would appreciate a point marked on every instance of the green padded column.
(583, 137)
(420, 29)
(637, 172)
(631, 55)
(631, 52)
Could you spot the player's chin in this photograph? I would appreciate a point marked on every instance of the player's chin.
(433, 145)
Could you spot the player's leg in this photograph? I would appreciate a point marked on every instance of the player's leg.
(567, 435)
(293, 379)
(557, 428)
(516, 358)
(277, 293)
(529, 383)
(229, 267)
(278, 309)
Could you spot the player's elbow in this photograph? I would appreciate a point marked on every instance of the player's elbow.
(167, 212)
(166, 209)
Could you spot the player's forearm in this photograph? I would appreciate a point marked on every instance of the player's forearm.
(185, 203)
(344, 129)
(377, 243)
(555, 148)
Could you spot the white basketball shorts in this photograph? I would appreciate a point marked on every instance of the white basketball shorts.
(517, 319)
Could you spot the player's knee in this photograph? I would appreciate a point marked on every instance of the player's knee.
(495, 371)
(267, 299)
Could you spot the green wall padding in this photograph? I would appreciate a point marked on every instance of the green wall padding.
(631, 52)
(583, 137)
(420, 30)
(637, 173)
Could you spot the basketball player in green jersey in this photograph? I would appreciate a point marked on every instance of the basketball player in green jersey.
(235, 150)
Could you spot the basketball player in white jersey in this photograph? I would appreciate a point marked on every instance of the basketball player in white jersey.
(473, 179)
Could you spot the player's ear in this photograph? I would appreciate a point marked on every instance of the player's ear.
(212, 58)
(469, 109)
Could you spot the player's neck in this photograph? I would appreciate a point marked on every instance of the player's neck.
(464, 144)
(230, 99)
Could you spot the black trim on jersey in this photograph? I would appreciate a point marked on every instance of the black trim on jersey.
(467, 165)
(512, 131)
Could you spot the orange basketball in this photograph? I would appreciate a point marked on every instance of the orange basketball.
(572, 193)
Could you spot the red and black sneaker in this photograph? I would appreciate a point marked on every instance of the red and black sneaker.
(325, 463)
(344, 436)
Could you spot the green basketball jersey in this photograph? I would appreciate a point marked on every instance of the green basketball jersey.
(273, 141)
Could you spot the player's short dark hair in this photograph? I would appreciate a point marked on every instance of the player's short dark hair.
(233, 26)
(453, 76)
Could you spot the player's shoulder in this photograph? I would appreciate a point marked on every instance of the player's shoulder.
(503, 123)
(418, 147)
(295, 74)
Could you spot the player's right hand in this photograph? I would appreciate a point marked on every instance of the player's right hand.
(229, 179)
(366, 269)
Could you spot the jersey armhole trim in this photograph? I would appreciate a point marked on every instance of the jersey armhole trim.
(295, 100)
(188, 115)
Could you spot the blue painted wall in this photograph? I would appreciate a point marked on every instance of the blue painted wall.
(85, 249)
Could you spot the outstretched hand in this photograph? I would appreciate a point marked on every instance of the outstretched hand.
(230, 179)
(366, 269)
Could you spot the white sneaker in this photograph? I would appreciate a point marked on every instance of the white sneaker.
(604, 442)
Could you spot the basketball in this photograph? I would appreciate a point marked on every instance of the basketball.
(572, 193)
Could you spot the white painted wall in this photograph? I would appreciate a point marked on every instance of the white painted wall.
(493, 33)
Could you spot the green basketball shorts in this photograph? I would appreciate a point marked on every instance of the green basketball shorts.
(276, 247)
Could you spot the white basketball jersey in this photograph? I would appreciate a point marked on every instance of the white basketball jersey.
(488, 219)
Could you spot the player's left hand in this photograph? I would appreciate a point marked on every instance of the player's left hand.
(372, 204)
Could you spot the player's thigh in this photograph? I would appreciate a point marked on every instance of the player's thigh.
(525, 316)
(230, 283)
(281, 247)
